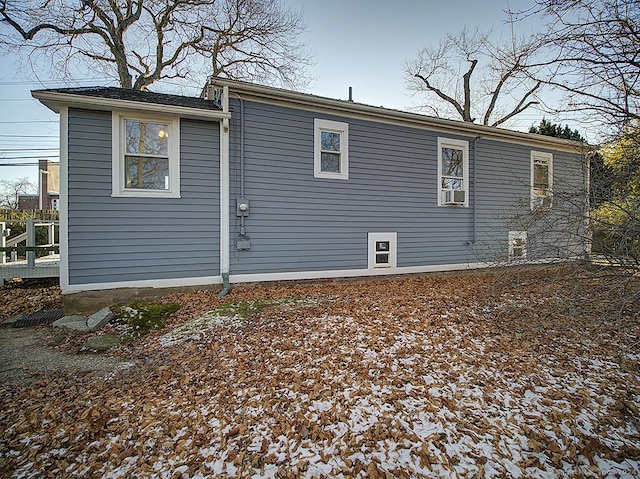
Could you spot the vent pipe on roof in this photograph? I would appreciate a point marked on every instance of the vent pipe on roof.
(350, 94)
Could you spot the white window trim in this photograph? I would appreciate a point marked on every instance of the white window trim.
(513, 235)
(392, 238)
(534, 197)
(463, 145)
(118, 149)
(320, 125)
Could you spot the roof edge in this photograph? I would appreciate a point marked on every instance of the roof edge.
(53, 100)
(350, 107)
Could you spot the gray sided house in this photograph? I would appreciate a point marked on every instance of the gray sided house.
(253, 183)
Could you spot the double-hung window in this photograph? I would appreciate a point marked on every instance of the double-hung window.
(331, 149)
(453, 172)
(146, 156)
(541, 180)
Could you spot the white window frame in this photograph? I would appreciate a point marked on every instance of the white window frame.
(513, 236)
(118, 133)
(458, 144)
(536, 199)
(320, 125)
(392, 238)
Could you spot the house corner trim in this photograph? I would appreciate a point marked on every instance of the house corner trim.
(64, 199)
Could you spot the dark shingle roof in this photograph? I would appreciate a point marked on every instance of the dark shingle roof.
(116, 93)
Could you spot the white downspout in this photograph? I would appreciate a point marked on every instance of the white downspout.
(224, 194)
(63, 230)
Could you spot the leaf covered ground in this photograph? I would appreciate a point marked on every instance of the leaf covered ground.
(25, 297)
(504, 374)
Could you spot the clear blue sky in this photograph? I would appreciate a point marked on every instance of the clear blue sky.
(362, 44)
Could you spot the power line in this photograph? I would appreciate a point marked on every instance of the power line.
(18, 150)
(19, 164)
(64, 82)
(31, 157)
(21, 147)
(27, 144)
(29, 136)
(30, 121)
(34, 142)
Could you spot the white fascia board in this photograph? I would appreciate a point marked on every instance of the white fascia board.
(55, 100)
(153, 283)
(276, 96)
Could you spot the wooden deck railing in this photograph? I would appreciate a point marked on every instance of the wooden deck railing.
(32, 266)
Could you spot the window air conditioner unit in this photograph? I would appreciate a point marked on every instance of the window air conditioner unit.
(453, 197)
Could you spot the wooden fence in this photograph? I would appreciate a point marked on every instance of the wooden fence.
(40, 260)
(8, 215)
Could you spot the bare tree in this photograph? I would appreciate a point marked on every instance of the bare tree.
(257, 41)
(10, 190)
(143, 41)
(593, 57)
(474, 79)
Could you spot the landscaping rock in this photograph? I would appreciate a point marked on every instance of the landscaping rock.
(102, 342)
(99, 319)
(11, 322)
(74, 323)
(58, 338)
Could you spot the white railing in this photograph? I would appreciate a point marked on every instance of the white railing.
(13, 246)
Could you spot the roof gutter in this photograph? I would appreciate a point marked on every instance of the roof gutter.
(276, 95)
(55, 100)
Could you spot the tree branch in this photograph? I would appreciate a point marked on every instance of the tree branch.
(520, 107)
(441, 94)
(467, 92)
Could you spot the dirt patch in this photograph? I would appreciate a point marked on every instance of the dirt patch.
(29, 353)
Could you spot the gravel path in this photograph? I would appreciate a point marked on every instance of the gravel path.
(26, 353)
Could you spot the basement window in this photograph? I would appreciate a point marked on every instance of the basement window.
(382, 250)
(517, 245)
(146, 156)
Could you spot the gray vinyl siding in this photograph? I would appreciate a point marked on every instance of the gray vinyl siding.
(130, 239)
(503, 202)
(301, 223)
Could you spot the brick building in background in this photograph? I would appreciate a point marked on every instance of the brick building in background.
(48, 185)
(28, 202)
(48, 197)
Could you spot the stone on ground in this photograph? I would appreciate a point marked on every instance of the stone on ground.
(102, 342)
(10, 322)
(99, 319)
(74, 323)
